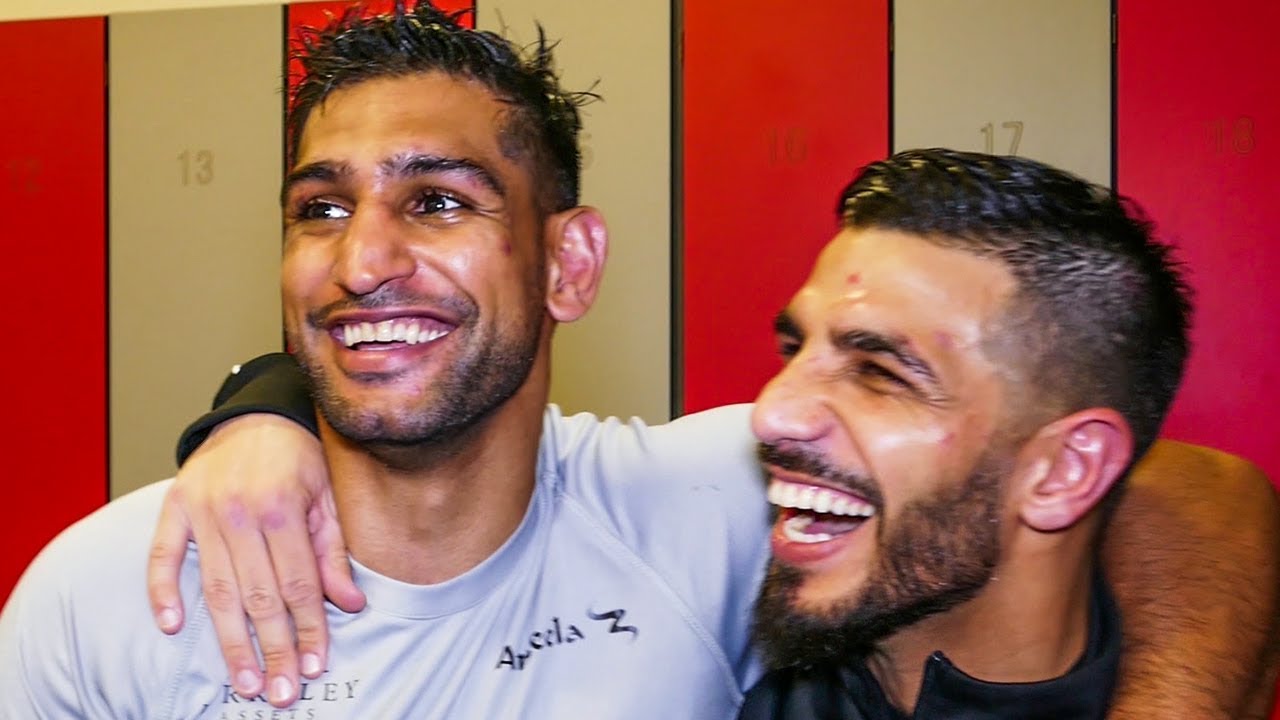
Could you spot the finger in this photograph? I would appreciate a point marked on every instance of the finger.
(222, 596)
(299, 579)
(260, 596)
(331, 551)
(164, 563)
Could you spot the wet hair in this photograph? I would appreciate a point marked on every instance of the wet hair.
(542, 124)
(1100, 313)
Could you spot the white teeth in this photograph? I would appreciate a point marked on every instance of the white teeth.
(790, 495)
(387, 331)
(839, 506)
(793, 530)
(822, 500)
(805, 501)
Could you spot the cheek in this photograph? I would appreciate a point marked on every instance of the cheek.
(304, 275)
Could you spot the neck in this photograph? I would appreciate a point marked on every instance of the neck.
(1029, 624)
(435, 518)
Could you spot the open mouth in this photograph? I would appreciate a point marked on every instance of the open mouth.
(812, 514)
(389, 334)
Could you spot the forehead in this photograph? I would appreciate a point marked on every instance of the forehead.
(895, 282)
(429, 112)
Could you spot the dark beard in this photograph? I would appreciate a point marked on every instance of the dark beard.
(940, 553)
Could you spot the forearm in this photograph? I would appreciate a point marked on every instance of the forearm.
(1194, 558)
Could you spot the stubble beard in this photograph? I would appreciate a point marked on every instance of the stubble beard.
(490, 370)
(940, 553)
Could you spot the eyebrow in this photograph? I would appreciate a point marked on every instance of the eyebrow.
(880, 344)
(784, 324)
(407, 165)
(403, 166)
(318, 171)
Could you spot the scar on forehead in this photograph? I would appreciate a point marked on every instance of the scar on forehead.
(854, 278)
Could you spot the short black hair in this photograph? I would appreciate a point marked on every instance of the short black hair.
(543, 123)
(1101, 312)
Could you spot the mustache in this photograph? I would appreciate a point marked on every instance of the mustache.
(808, 462)
(460, 307)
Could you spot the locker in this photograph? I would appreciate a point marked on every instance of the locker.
(1196, 124)
(1019, 77)
(616, 360)
(53, 172)
(195, 143)
(777, 114)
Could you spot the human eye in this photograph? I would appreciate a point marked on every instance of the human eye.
(434, 202)
(877, 375)
(788, 347)
(321, 210)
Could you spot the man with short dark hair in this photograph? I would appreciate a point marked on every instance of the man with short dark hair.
(516, 563)
(974, 365)
(433, 239)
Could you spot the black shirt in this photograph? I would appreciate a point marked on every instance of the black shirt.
(852, 693)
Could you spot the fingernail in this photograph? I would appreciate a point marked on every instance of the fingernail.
(169, 619)
(311, 666)
(281, 688)
(247, 682)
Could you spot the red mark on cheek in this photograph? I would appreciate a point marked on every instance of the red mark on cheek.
(854, 278)
(947, 439)
(506, 247)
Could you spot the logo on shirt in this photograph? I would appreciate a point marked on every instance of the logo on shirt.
(558, 633)
(317, 701)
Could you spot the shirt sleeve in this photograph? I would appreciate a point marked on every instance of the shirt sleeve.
(270, 383)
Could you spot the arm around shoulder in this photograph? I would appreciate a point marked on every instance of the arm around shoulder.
(1194, 556)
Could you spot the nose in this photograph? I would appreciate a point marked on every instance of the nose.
(792, 408)
(373, 251)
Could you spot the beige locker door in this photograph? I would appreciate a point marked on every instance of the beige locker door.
(195, 155)
(1025, 77)
(616, 360)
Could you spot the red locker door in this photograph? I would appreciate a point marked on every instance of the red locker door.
(1196, 146)
(52, 170)
(776, 118)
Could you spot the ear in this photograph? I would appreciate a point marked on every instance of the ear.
(1070, 465)
(577, 245)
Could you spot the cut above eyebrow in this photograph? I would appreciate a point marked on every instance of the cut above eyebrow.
(879, 344)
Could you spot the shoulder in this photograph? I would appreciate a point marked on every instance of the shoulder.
(79, 623)
(696, 473)
(686, 498)
(1173, 459)
(108, 541)
(711, 445)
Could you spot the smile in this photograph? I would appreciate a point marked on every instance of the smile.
(813, 514)
(407, 330)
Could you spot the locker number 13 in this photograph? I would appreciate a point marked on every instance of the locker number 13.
(196, 166)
